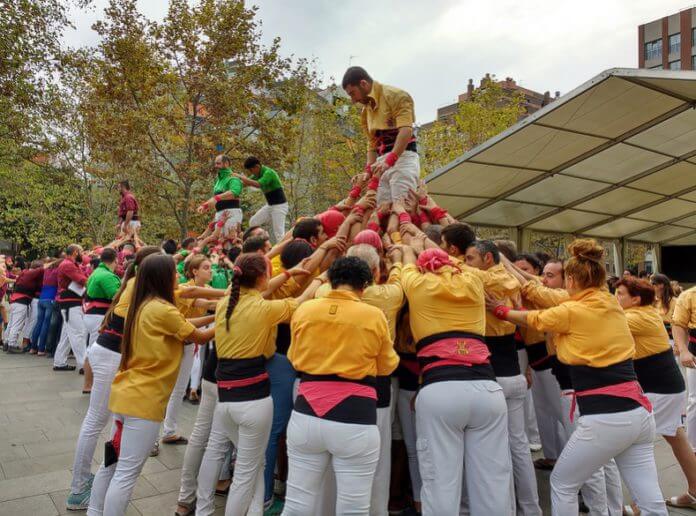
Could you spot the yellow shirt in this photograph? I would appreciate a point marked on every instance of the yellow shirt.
(404, 338)
(288, 289)
(530, 335)
(447, 301)
(590, 329)
(121, 308)
(186, 305)
(388, 297)
(389, 108)
(685, 310)
(668, 313)
(340, 335)
(253, 325)
(648, 330)
(143, 388)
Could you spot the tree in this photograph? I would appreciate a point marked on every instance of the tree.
(489, 111)
(163, 98)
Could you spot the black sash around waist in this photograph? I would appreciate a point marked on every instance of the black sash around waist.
(692, 341)
(110, 337)
(276, 196)
(504, 357)
(586, 378)
(562, 373)
(283, 338)
(97, 310)
(69, 299)
(539, 358)
(242, 379)
(659, 373)
(406, 372)
(209, 361)
(357, 410)
(227, 204)
(383, 387)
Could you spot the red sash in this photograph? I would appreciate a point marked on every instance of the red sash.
(94, 304)
(455, 351)
(631, 390)
(410, 365)
(231, 384)
(322, 396)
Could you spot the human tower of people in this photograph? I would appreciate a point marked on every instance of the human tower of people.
(379, 321)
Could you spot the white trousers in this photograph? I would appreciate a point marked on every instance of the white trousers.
(113, 486)
(379, 500)
(19, 318)
(71, 336)
(92, 324)
(197, 443)
(407, 418)
(691, 407)
(549, 412)
(463, 424)
(275, 215)
(104, 364)
(397, 181)
(197, 368)
(33, 316)
(626, 437)
(247, 424)
(176, 399)
(515, 390)
(313, 444)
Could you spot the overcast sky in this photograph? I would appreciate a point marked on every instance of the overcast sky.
(432, 47)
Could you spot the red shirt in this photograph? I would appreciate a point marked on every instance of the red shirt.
(128, 203)
(28, 284)
(68, 271)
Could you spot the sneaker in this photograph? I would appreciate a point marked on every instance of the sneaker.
(273, 507)
(154, 452)
(66, 367)
(80, 501)
(279, 488)
(12, 350)
(5, 347)
(535, 447)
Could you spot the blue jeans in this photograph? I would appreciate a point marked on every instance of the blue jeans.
(43, 322)
(282, 377)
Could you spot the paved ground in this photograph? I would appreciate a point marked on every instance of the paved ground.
(40, 416)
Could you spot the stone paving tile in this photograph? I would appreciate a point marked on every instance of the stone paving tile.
(165, 481)
(44, 483)
(37, 465)
(59, 498)
(41, 505)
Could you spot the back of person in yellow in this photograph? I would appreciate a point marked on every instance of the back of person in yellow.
(461, 414)
(245, 333)
(153, 337)
(339, 346)
(593, 338)
(659, 375)
(665, 300)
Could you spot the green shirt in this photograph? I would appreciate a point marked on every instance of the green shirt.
(268, 179)
(221, 277)
(226, 182)
(103, 283)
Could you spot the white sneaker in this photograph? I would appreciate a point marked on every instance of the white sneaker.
(535, 447)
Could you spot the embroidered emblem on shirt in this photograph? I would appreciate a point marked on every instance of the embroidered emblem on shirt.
(333, 309)
(461, 348)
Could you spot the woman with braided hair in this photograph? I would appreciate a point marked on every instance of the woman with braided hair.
(245, 334)
(593, 338)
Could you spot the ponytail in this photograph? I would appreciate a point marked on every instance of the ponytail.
(248, 268)
(234, 295)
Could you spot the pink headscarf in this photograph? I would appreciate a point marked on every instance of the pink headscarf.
(369, 237)
(331, 220)
(432, 259)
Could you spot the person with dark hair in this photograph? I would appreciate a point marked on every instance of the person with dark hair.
(47, 296)
(294, 252)
(233, 253)
(500, 339)
(128, 218)
(456, 238)
(543, 258)
(684, 334)
(71, 281)
(24, 297)
(507, 247)
(311, 230)
(101, 287)
(387, 119)
(226, 193)
(593, 338)
(276, 208)
(659, 376)
(151, 349)
(245, 333)
(257, 244)
(434, 233)
(253, 231)
(335, 414)
(528, 262)
(665, 300)
(169, 246)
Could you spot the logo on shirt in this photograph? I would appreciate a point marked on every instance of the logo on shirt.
(333, 309)
(462, 348)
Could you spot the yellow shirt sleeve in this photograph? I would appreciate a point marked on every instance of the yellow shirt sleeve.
(403, 110)
(171, 322)
(542, 296)
(682, 311)
(281, 310)
(371, 142)
(556, 319)
(410, 276)
(387, 359)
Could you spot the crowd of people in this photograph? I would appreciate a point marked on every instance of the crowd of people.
(376, 358)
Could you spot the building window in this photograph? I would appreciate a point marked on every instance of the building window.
(693, 62)
(675, 65)
(693, 37)
(658, 67)
(675, 43)
(653, 50)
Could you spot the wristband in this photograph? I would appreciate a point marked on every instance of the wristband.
(404, 218)
(424, 218)
(211, 226)
(355, 192)
(423, 201)
(359, 209)
(382, 215)
(220, 224)
(373, 226)
(501, 312)
(373, 184)
(391, 159)
(287, 275)
(217, 198)
(368, 169)
(438, 213)
(395, 237)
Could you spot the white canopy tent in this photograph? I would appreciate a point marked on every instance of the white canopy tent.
(615, 159)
